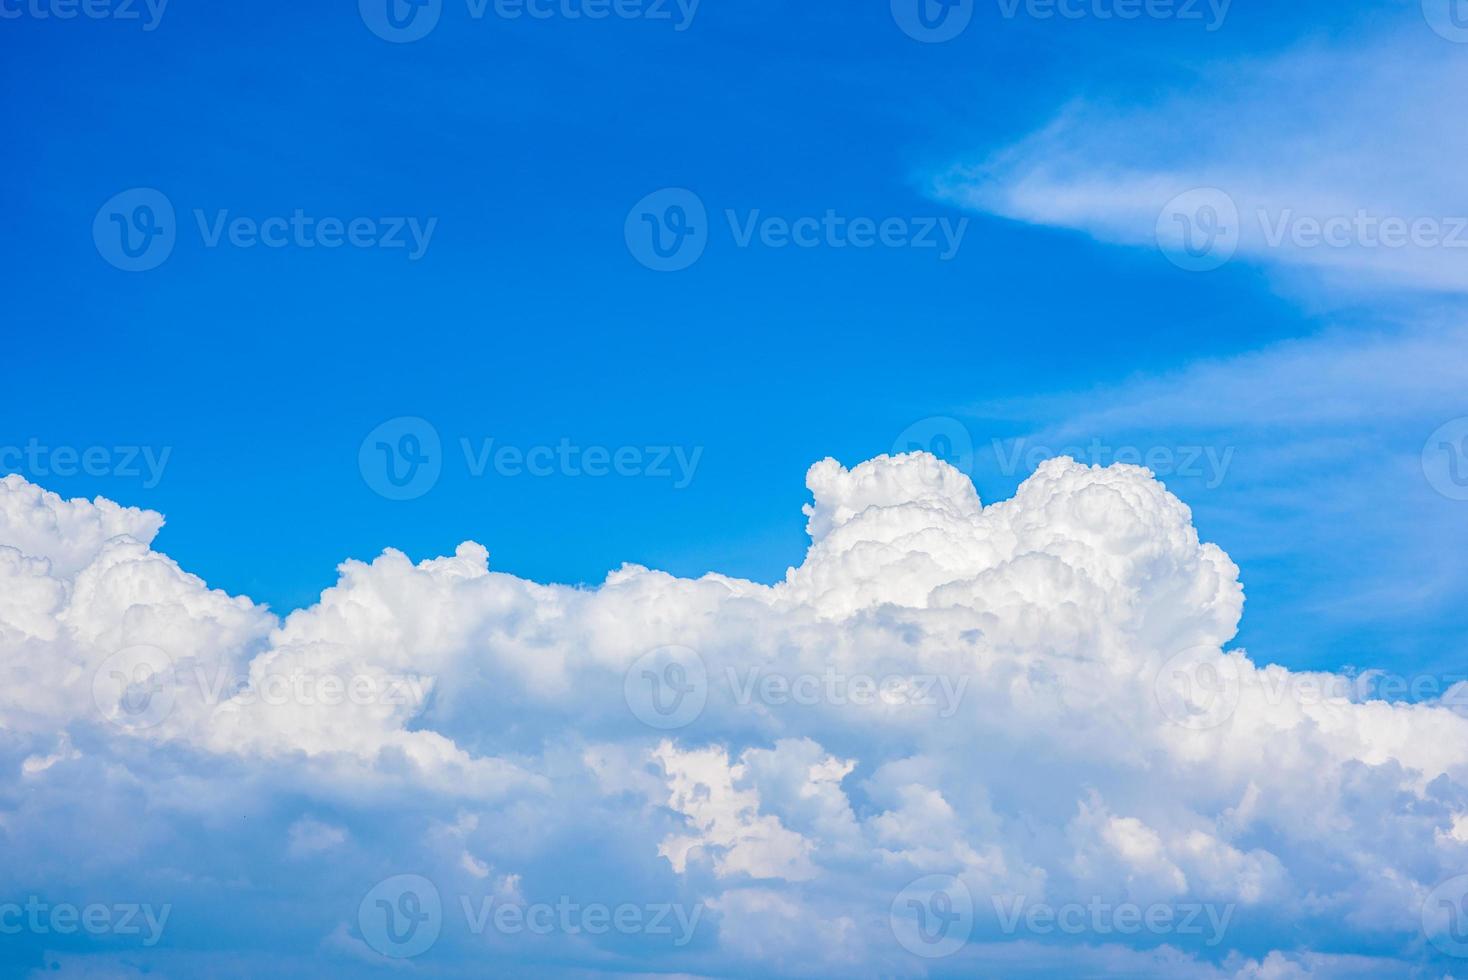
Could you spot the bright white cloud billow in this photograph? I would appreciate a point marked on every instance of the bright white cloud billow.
(1012, 735)
(1346, 442)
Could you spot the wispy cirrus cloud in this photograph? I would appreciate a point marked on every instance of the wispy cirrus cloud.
(1343, 159)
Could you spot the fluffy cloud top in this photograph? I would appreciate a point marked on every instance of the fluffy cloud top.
(1021, 720)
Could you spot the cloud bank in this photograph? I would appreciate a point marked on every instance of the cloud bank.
(1007, 740)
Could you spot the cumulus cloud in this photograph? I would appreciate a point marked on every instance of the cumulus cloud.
(1007, 734)
(1294, 454)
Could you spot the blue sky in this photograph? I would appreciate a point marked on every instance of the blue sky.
(1305, 400)
(527, 320)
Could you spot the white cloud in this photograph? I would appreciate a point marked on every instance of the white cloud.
(1301, 452)
(1319, 132)
(492, 750)
(309, 837)
(727, 820)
